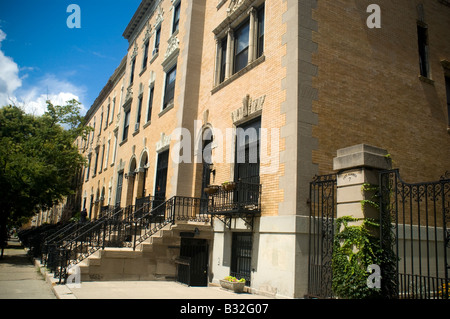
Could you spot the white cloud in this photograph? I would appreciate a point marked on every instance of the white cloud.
(33, 99)
(9, 75)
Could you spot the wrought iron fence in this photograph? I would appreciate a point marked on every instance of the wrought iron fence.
(415, 226)
(322, 202)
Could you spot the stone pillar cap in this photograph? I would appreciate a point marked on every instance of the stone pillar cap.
(362, 155)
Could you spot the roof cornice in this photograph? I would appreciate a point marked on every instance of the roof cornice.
(137, 18)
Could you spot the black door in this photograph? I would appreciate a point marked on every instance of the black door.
(247, 152)
(241, 256)
(206, 163)
(161, 178)
(193, 266)
(119, 189)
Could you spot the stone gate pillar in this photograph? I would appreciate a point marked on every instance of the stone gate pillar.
(358, 165)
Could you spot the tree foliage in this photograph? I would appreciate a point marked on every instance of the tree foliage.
(38, 159)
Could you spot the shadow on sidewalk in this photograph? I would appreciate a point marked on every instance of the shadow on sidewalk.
(15, 254)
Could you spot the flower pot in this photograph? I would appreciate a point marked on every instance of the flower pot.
(237, 287)
(210, 190)
(229, 186)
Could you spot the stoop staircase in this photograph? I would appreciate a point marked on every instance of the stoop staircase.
(138, 242)
(153, 259)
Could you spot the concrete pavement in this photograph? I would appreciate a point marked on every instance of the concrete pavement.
(19, 278)
(146, 290)
(138, 290)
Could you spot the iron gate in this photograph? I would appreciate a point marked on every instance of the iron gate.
(415, 222)
(241, 256)
(321, 232)
(192, 264)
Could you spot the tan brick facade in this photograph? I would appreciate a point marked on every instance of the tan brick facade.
(323, 81)
(369, 86)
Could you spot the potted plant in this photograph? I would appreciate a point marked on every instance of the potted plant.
(232, 283)
(228, 186)
(211, 189)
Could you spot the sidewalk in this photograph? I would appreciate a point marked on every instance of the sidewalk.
(146, 290)
(139, 290)
(19, 279)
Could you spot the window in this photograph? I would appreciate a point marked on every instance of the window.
(447, 86)
(88, 168)
(145, 59)
(260, 35)
(169, 91)
(126, 124)
(150, 104)
(176, 17)
(101, 123)
(107, 154)
(108, 109)
(113, 109)
(133, 65)
(102, 158)
(114, 149)
(93, 132)
(422, 33)
(96, 162)
(241, 47)
(223, 59)
(138, 119)
(157, 40)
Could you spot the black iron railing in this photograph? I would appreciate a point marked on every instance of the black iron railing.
(415, 223)
(323, 205)
(127, 227)
(175, 209)
(53, 244)
(236, 197)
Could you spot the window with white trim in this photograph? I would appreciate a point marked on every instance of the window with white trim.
(241, 44)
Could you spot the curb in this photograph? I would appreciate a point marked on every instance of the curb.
(60, 291)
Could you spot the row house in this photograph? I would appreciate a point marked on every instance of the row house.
(258, 96)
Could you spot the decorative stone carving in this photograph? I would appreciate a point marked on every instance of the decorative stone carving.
(148, 33)
(248, 108)
(129, 94)
(174, 45)
(163, 143)
(135, 51)
(159, 15)
(234, 4)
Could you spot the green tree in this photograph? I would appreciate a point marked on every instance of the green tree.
(38, 160)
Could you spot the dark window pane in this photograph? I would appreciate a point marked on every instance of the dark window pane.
(241, 47)
(422, 34)
(176, 18)
(223, 59)
(261, 30)
(170, 87)
(150, 104)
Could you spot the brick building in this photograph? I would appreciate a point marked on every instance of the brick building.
(294, 80)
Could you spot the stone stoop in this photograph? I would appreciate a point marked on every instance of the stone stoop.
(154, 259)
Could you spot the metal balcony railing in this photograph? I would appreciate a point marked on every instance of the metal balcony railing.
(235, 198)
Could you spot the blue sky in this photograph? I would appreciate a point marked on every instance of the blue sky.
(40, 54)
